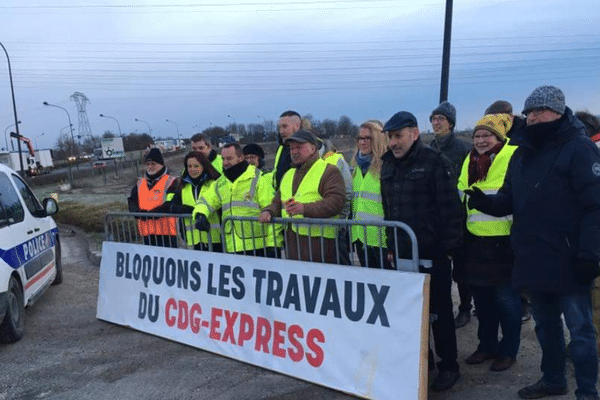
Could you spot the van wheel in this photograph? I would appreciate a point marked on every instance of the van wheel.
(58, 263)
(13, 326)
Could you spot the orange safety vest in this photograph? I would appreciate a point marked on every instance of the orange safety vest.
(154, 197)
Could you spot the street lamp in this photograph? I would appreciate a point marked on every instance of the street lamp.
(12, 91)
(168, 120)
(149, 130)
(70, 125)
(6, 140)
(119, 125)
(36, 145)
(234, 123)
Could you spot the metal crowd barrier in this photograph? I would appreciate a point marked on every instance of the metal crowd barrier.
(125, 227)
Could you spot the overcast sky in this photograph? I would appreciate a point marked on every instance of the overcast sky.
(196, 62)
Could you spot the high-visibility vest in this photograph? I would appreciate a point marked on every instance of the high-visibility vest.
(277, 157)
(308, 192)
(192, 235)
(151, 198)
(244, 197)
(367, 206)
(478, 223)
(218, 163)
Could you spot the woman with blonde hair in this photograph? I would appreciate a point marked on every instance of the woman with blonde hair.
(369, 241)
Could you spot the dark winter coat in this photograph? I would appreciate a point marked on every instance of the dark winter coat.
(420, 190)
(454, 148)
(553, 192)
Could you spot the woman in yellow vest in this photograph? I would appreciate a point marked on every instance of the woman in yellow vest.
(489, 257)
(199, 177)
(370, 243)
(149, 195)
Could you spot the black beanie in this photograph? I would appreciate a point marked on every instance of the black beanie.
(154, 155)
(255, 149)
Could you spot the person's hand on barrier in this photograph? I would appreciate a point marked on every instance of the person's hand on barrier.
(390, 256)
(478, 200)
(586, 271)
(202, 223)
(265, 216)
(292, 207)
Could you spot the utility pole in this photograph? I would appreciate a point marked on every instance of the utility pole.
(446, 52)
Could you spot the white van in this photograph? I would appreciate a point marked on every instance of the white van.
(29, 251)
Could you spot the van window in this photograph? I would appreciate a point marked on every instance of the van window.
(29, 198)
(12, 209)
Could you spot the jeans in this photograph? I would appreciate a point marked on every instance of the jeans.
(577, 310)
(498, 307)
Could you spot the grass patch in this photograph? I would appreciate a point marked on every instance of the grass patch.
(88, 217)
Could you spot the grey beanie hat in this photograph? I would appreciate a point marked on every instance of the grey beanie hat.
(447, 110)
(546, 97)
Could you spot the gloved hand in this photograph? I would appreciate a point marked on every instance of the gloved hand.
(478, 200)
(586, 271)
(181, 209)
(202, 223)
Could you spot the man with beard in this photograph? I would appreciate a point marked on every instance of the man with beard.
(552, 189)
(312, 188)
(243, 192)
(418, 188)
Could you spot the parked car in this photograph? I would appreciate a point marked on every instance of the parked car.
(30, 256)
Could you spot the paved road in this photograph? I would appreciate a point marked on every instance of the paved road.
(68, 354)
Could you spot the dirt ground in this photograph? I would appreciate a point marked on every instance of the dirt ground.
(477, 382)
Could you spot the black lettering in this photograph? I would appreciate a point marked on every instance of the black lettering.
(292, 293)
(158, 273)
(182, 274)
(354, 315)
(378, 310)
(274, 289)
(195, 273)
(142, 305)
(331, 300)
(119, 267)
(310, 294)
(259, 275)
(239, 292)
(210, 288)
(171, 275)
(224, 280)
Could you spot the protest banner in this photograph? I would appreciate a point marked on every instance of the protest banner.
(358, 330)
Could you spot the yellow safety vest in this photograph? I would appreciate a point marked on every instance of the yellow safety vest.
(478, 223)
(218, 163)
(308, 192)
(366, 206)
(192, 235)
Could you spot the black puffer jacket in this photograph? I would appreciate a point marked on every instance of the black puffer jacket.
(553, 191)
(420, 190)
(454, 148)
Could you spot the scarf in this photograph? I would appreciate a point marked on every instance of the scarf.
(236, 171)
(152, 179)
(479, 164)
(363, 161)
(542, 132)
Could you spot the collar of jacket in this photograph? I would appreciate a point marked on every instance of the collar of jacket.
(569, 128)
(212, 155)
(152, 179)
(442, 141)
(302, 169)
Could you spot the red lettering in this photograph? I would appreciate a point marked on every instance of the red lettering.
(182, 315)
(315, 359)
(295, 331)
(195, 321)
(278, 327)
(246, 329)
(171, 304)
(215, 324)
(263, 334)
(229, 324)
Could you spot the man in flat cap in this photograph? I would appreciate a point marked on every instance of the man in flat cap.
(418, 187)
(312, 188)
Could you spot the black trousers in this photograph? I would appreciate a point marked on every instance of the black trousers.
(440, 305)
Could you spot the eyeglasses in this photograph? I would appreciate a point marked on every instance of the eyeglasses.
(438, 118)
(484, 136)
(534, 112)
(363, 138)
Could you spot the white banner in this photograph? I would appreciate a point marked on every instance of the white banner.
(359, 330)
